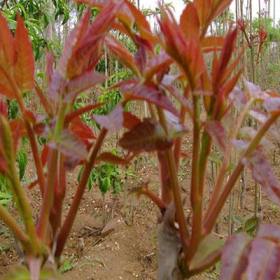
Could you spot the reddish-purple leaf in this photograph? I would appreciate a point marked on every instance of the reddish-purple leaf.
(255, 91)
(146, 136)
(270, 232)
(157, 63)
(217, 132)
(82, 83)
(113, 121)
(71, 147)
(272, 104)
(238, 97)
(175, 127)
(111, 158)
(57, 85)
(258, 115)
(149, 92)
(264, 260)
(72, 43)
(235, 257)
(24, 61)
(49, 66)
(263, 174)
(240, 144)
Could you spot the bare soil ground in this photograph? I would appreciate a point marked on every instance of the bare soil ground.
(126, 247)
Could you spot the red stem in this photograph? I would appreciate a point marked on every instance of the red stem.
(214, 210)
(69, 220)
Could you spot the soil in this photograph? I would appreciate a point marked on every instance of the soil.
(114, 237)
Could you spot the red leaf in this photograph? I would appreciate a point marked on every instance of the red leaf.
(87, 51)
(113, 121)
(24, 64)
(71, 116)
(234, 257)
(139, 20)
(263, 174)
(7, 52)
(185, 51)
(212, 43)
(209, 9)
(3, 108)
(5, 87)
(129, 120)
(264, 260)
(122, 53)
(217, 132)
(81, 130)
(146, 136)
(225, 55)
(189, 22)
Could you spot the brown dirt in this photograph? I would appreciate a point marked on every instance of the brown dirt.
(127, 248)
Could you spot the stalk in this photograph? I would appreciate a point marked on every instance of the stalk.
(184, 234)
(69, 220)
(196, 197)
(217, 207)
(52, 176)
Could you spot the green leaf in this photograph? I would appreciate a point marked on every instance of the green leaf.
(67, 265)
(209, 250)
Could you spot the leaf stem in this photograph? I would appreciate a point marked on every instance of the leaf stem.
(19, 192)
(223, 169)
(10, 221)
